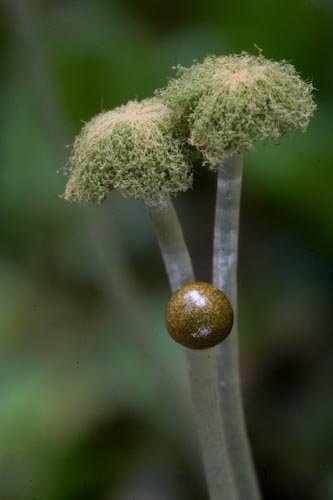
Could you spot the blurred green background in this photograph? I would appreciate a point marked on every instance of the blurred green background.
(93, 393)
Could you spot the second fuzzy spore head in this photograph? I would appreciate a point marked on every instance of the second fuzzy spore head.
(227, 104)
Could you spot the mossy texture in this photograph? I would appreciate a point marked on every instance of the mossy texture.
(130, 148)
(226, 104)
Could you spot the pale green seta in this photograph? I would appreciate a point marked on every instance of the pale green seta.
(131, 148)
(226, 104)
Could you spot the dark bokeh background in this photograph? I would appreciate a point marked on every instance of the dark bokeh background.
(93, 393)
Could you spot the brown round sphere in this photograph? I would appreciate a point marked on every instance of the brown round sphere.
(199, 316)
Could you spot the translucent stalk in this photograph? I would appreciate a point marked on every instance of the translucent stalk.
(202, 364)
(225, 278)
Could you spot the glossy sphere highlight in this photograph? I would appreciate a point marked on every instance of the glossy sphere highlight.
(199, 316)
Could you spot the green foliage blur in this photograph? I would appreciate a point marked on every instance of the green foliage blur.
(93, 393)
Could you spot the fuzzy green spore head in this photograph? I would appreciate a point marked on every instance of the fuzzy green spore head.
(130, 148)
(226, 104)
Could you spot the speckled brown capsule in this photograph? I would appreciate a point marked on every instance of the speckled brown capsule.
(199, 316)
